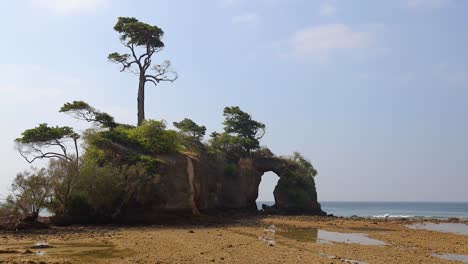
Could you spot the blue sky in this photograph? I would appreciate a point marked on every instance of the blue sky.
(373, 92)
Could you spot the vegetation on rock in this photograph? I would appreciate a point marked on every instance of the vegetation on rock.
(120, 167)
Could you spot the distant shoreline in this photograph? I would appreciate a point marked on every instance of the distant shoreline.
(393, 210)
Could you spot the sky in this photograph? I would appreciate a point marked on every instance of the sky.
(373, 92)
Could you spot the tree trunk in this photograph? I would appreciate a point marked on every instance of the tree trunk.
(141, 99)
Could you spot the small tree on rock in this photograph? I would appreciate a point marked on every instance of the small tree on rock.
(83, 111)
(241, 124)
(190, 128)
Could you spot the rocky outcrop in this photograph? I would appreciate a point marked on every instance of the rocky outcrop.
(197, 184)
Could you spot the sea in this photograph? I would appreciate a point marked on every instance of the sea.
(439, 210)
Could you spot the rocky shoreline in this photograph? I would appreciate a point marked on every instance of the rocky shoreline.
(253, 239)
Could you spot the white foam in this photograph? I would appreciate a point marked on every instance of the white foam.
(392, 216)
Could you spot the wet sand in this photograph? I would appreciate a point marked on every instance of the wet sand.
(254, 240)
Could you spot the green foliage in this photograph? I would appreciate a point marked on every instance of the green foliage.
(124, 167)
(127, 145)
(63, 176)
(297, 182)
(116, 57)
(47, 142)
(190, 128)
(98, 191)
(124, 186)
(263, 152)
(74, 106)
(143, 41)
(138, 33)
(240, 137)
(295, 185)
(83, 111)
(230, 146)
(154, 138)
(241, 124)
(31, 191)
(305, 167)
(45, 134)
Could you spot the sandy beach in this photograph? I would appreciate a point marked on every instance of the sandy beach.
(253, 240)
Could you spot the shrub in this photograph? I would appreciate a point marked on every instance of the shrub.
(31, 192)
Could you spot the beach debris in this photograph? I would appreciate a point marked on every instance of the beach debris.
(343, 260)
(41, 245)
(269, 241)
(270, 229)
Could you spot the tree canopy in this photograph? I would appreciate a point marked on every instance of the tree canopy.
(138, 33)
(36, 143)
(241, 124)
(83, 111)
(31, 191)
(190, 128)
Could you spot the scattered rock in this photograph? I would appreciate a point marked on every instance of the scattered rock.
(41, 246)
(453, 220)
(8, 251)
(27, 252)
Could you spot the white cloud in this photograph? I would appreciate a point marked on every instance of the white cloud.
(327, 9)
(426, 3)
(70, 6)
(250, 18)
(319, 42)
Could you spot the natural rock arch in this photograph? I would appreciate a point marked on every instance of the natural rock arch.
(291, 196)
(192, 186)
(268, 182)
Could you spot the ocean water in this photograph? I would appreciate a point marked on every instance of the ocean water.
(393, 209)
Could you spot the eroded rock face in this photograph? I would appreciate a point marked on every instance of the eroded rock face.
(197, 185)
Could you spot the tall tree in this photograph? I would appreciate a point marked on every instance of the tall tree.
(143, 41)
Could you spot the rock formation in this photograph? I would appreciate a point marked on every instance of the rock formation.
(193, 185)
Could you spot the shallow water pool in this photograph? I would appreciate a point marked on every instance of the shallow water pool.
(454, 257)
(322, 236)
(455, 228)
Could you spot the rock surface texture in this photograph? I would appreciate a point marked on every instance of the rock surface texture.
(195, 185)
